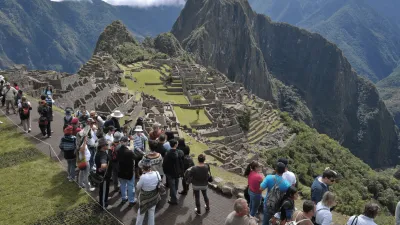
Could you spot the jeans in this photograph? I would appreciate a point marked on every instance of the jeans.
(150, 216)
(71, 168)
(267, 216)
(173, 184)
(115, 175)
(83, 178)
(197, 198)
(255, 201)
(130, 184)
(26, 123)
(104, 189)
(92, 151)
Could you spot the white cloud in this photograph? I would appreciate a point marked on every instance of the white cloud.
(137, 3)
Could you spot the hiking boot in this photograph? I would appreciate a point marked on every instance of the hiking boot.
(172, 203)
(197, 211)
(207, 208)
(131, 204)
(124, 201)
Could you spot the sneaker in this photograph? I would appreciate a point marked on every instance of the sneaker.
(92, 189)
(124, 201)
(131, 204)
(207, 208)
(197, 211)
(49, 136)
(182, 192)
(44, 136)
(29, 130)
(172, 203)
(109, 207)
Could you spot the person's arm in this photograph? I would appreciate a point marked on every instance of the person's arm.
(139, 185)
(397, 214)
(264, 184)
(316, 194)
(144, 137)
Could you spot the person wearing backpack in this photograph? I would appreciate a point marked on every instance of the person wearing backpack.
(187, 163)
(304, 217)
(24, 108)
(371, 210)
(276, 188)
(68, 147)
(114, 159)
(68, 117)
(287, 206)
(44, 119)
(323, 215)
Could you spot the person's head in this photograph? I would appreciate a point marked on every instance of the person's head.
(371, 210)
(146, 165)
(15, 84)
(253, 166)
(329, 177)
(93, 114)
(280, 168)
(48, 88)
(111, 129)
(124, 140)
(329, 199)
(8, 85)
(162, 138)
(169, 135)
(201, 158)
(117, 137)
(181, 143)
(43, 97)
(138, 129)
(68, 131)
(68, 112)
(102, 144)
(292, 193)
(23, 99)
(153, 145)
(75, 122)
(173, 143)
(284, 161)
(156, 126)
(20, 92)
(82, 108)
(308, 208)
(241, 208)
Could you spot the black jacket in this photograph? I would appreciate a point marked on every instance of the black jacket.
(126, 163)
(160, 149)
(173, 163)
(113, 122)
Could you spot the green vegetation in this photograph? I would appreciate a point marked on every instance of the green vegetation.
(158, 91)
(310, 153)
(244, 120)
(389, 90)
(188, 117)
(129, 53)
(32, 181)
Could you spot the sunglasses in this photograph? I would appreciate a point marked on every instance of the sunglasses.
(332, 180)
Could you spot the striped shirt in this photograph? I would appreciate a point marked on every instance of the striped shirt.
(138, 141)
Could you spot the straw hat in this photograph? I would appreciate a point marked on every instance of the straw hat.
(138, 129)
(117, 114)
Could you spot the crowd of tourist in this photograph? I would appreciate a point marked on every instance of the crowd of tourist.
(135, 164)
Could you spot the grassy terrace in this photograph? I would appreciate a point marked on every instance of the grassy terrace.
(188, 117)
(33, 187)
(158, 91)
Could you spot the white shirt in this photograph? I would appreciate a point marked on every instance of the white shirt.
(290, 177)
(110, 139)
(87, 154)
(148, 181)
(92, 141)
(361, 220)
(323, 214)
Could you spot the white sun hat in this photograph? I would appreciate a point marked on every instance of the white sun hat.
(117, 114)
(138, 128)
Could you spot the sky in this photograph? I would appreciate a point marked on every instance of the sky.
(137, 3)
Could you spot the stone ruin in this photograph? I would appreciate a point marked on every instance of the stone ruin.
(102, 67)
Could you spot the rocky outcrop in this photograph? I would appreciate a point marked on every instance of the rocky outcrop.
(250, 48)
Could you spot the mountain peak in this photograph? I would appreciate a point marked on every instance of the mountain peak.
(113, 36)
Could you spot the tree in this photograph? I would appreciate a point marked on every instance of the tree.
(198, 113)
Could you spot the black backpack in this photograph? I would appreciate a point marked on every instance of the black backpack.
(187, 162)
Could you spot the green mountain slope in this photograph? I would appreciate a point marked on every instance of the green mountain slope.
(62, 35)
(389, 89)
(366, 31)
(249, 47)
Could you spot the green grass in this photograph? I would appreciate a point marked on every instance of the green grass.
(158, 91)
(216, 138)
(189, 116)
(32, 188)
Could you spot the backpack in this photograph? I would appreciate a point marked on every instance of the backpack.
(187, 162)
(25, 109)
(68, 144)
(354, 220)
(274, 197)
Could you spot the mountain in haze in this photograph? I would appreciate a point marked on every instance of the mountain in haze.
(367, 31)
(229, 36)
(62, 35)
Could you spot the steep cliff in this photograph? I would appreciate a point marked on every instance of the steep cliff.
(389, 89)
(250, 48)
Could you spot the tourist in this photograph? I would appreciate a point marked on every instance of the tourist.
(92, 141)
(162, 140)
(304, 217)
(149, 195)
(139, 122)
(156, 132)
(254, 178)
(68, 117)
(287, 206)
(99, 122)
(75, 125)
(187, 163)
(84, 156)
(82, 114)
(114, 158)
(323, 215)
(240, 215)
(139, 144)
(173, 169)
(198, 176)
(44, 119)
(114, 121)
(271, 198)
(367, 218)
(102, 160)
(155, 159)
(288, 175)
(18, 97)
(110, 135)
(160, 146)
(24, 108)
(48, 91)
(169, 134)
(9, 94)
(1, 93)
(68, 147)
(397, 213)
(321, 185)
(126, 164)
(16, 86)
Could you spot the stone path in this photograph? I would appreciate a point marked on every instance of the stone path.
(165, 215)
